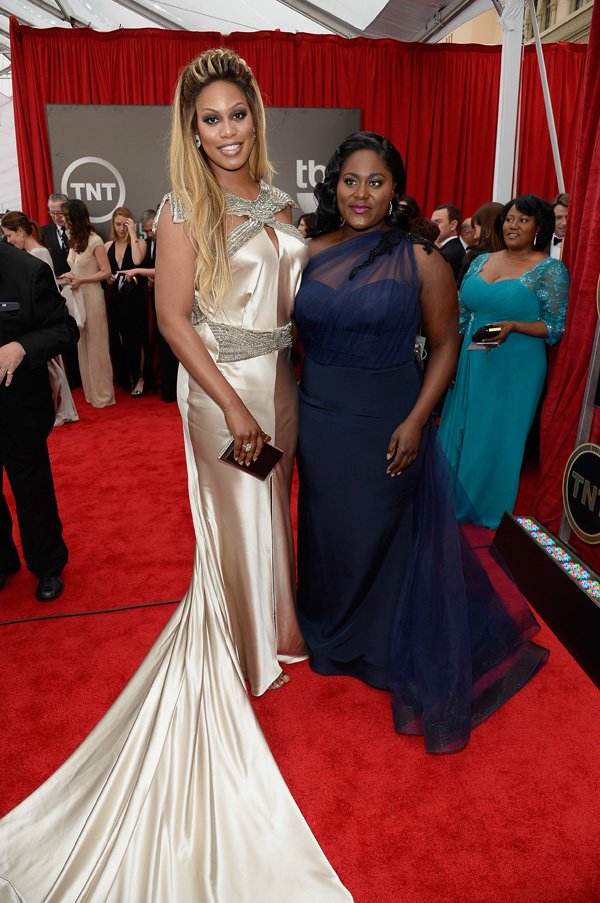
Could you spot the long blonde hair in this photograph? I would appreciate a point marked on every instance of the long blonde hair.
(192, 179)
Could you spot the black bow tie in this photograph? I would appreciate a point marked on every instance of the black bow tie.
(556, 241)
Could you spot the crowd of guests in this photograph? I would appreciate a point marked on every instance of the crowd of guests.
(109, 290)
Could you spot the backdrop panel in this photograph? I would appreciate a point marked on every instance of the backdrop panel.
(110, 155)
(437, 103)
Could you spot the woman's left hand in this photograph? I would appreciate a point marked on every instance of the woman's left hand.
(131, 228)
(75, 283)
(506, 327)
(129, 274)
(404, 447)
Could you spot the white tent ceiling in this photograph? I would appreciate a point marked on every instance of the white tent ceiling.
(403, 20)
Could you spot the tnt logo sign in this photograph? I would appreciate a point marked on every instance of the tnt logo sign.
(581, 492)
(97, 183)
(306, 177)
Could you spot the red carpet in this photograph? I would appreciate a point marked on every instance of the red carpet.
(513, 817)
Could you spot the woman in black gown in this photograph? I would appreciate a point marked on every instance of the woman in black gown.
(128, 307)
(381, 566)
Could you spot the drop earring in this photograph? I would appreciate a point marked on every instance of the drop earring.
(198, 142)
(390, 209)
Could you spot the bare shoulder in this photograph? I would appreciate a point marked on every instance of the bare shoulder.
(538, 256)
(429, 260)
(285, 215)
(175, 252)
(171, 232)
(322, 242)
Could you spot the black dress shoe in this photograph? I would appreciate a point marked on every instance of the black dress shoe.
(49, 589)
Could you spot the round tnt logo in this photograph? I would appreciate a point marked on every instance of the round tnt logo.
(97, 183)
(581, 492)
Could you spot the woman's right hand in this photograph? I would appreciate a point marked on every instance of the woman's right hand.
(130, 223)
(246, 432)
(403, 447)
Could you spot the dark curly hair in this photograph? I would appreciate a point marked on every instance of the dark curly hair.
(328, 214)
(531, 205)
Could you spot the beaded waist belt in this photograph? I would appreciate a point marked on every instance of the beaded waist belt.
(239, 344)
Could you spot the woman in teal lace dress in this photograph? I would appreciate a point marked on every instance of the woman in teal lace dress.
(488, 414)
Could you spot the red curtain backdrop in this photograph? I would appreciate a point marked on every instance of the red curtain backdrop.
(570, 361)
(436, 103)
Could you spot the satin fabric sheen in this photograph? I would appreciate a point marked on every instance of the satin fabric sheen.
(175, 796)
(250, 521)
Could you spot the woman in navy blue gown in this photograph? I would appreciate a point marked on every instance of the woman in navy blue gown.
(381, 565)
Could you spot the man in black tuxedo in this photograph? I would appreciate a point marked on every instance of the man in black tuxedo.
(55, 234)
(447, 219)
(57, 242)
(34, 327)
(560, 205)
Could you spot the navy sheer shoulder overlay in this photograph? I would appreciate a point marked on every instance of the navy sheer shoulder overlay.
(369, 321)
(390, 590)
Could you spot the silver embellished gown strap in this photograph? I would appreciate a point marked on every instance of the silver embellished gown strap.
(260, 212)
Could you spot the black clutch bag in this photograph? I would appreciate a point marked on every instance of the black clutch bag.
(268, 459)
(486, 333)
(122, 287)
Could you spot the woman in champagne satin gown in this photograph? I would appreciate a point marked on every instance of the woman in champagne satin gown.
(89, 267)
(175, 796)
